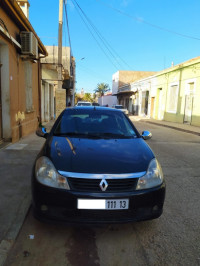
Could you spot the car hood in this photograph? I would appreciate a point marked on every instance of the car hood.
(84, 155)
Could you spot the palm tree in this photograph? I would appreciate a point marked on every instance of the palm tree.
(102, 88)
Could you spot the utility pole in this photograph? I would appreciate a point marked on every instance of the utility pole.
(60, 44)
(60, 92)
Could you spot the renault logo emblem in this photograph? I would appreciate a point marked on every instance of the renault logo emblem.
(103, 185)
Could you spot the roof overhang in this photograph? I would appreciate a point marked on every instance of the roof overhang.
(124, 92)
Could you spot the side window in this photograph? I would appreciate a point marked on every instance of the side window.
(28, 86)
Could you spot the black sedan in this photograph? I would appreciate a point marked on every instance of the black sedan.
(96, 168)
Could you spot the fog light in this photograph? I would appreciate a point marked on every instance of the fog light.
(43, 208)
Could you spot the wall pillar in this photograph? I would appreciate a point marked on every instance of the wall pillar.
(51, 101)
(5, 92)
(42, 102)
(60, 101)
(46, 102)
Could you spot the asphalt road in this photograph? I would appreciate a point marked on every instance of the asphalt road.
(173, 239)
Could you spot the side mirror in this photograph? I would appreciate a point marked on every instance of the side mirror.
(41, 132)
(146, 135)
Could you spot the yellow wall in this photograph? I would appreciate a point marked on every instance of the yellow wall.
(181, 75)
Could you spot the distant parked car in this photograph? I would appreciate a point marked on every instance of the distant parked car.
(95, 167)
(95, 104)
(80, 103)
(120, 107)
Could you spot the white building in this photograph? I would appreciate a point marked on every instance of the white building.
(108, 99)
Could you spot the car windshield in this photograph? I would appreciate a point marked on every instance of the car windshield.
(94, 124)
(119, 106)
(84, 104)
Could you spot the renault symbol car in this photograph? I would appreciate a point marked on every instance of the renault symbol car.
(95, 167)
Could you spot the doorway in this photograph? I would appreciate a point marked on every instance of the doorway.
(152, 106)
(189, 103)
(188, 109)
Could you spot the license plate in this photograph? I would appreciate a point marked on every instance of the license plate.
(103, 204)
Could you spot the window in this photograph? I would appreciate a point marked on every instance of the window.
(172, 98)
(28, 86)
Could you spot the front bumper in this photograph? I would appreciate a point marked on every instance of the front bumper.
(57, 205)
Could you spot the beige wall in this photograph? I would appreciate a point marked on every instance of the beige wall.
(130, 76)
(15, 105)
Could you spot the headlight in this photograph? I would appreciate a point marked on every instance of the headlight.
(153, 178)
(46, 174)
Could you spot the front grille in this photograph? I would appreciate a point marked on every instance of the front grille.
(92, 185)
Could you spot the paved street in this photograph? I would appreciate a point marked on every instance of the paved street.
(173, 239)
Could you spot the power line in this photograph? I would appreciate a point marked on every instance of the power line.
(66, 15)
(148, 23)
(81, 16)
(91, 72)
(104, 41)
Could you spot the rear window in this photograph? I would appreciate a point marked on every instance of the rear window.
(94, 122)
(84, 104)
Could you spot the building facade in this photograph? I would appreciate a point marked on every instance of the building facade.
(172, 94)
(20, 52)
(54, 101)
(107, 100)
(121, 87)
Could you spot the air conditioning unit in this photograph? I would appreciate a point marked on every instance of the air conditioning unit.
(68, 83)
(29, 44)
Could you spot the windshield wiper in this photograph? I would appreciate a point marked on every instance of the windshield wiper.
(94, 135)
(68, 134)
(76, 134)
(116, 135)
(101, 135)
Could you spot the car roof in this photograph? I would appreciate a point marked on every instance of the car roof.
(83, 102)
(99, 108)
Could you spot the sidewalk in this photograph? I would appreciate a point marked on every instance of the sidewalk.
(177, 126)
(16, 162)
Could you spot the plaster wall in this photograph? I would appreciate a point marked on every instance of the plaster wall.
(107, 100)
(5, 92)
(115, 82)
(17, 121)
(13, 29)
(159, 85)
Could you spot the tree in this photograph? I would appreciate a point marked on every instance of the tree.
(102, 88)
(87, 97)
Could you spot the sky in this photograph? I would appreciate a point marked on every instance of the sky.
(140, 35)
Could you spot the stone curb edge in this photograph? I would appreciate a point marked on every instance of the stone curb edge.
(172, 127)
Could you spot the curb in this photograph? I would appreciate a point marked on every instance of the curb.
(172, 127)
